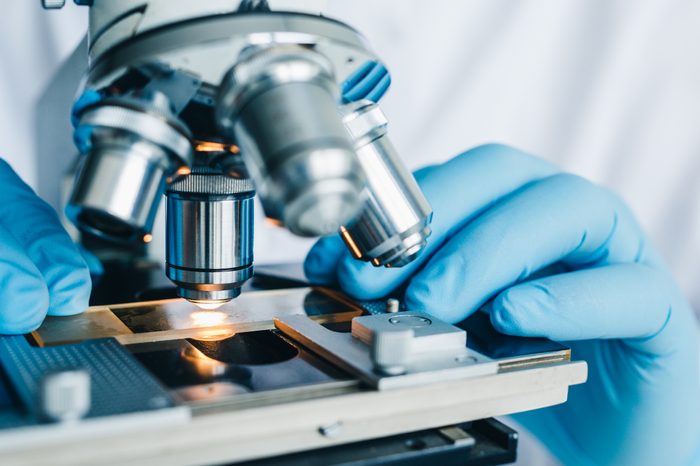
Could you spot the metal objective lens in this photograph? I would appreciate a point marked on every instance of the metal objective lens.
(394, 225)
(136, 144)
(209, 236)
(279, 105)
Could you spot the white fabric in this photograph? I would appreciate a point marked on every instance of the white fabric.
(607, 89)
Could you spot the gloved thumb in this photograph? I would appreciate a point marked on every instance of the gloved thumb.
(633, 302)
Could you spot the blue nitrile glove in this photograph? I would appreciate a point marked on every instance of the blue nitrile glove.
(369, 82)
(501, 215)
(81, 135)
(83, 141)
(41, 270)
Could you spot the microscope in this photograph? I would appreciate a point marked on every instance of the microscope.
(210, 103)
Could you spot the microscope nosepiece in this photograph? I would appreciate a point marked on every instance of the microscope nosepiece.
(394, 225)
(280, 105)
(209, 242)
(135, 145)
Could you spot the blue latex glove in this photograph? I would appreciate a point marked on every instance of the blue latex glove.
(41, 270)
(82, 140)
(370, 81)
(501, 215)
(81, 135)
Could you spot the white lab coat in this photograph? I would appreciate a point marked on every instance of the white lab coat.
(607, 89)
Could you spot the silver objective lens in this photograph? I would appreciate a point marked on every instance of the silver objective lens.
(209, 242)
(394, 225)
(279, 105)
(136, 144)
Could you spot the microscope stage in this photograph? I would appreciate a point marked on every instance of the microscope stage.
(242, 388)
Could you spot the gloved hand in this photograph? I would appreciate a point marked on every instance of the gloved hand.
(370, 81)
(83, 142)
(500, 216)
(81, 135)
(41, 270)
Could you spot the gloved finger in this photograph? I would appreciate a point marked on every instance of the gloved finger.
(321, 262)
(82, 138)
(93, 263)
(368, 80)
(357, 76)
(82, 134)
(38, 231)
(560, 218)
(380, 89)
(634, 302)
(457, 191)
(88, 97)
(25, 297)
